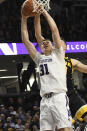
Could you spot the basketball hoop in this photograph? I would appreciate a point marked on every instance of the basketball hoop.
(32, 7)
(45, 4)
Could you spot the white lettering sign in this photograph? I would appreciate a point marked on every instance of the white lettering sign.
(5, 48)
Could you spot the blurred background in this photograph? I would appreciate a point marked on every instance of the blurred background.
(19, 83)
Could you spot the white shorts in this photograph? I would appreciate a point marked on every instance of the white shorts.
(54, 111)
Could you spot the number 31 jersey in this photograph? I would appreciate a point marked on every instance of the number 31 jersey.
(52, 72)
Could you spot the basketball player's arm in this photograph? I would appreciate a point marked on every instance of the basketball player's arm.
(37, 26)
(77, 65)
(25, 38)
(54, 29)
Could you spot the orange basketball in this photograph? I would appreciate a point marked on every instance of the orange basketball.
(27, 8)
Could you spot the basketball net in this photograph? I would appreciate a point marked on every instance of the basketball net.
(45, 4)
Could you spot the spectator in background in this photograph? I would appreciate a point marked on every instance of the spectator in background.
(1, 126)
(28, 117)
(35, 120)
(16, 117)
(11, 102)
(20, 102)
(27, 127)
(21, 114)
(35, 109)
(11, 129)
(9, 123)
(3, 118)
(12, 111)
(3, 110)
(35, 128)
(17, 129)
(8, 127)
(19, 125)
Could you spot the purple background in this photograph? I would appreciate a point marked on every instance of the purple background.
(72, 47)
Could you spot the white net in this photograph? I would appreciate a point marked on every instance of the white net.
(43, 3)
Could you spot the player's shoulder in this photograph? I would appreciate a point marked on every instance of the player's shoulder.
(68, 59)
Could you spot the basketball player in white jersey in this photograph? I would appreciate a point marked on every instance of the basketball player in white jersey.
(54, 108)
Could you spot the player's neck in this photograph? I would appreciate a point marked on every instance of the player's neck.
(47, 53)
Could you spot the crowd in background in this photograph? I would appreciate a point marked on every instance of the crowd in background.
(70, 18)
(17, 115)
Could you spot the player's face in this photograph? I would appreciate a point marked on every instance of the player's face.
(46, 46)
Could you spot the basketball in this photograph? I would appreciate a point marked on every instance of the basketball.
(27, 8)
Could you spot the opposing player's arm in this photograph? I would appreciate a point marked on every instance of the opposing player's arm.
(37, 26)
(54, 29)
(25, 38)
(77, 65)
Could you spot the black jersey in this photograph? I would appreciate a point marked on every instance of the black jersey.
(69, 71)
(75, 100)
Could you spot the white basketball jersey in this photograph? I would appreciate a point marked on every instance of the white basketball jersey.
(52, 72)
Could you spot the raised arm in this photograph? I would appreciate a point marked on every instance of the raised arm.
(37, 26)
(25, 38)
(54, 29)
(77, 65)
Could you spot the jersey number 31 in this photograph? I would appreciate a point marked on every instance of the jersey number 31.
(44, 70)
